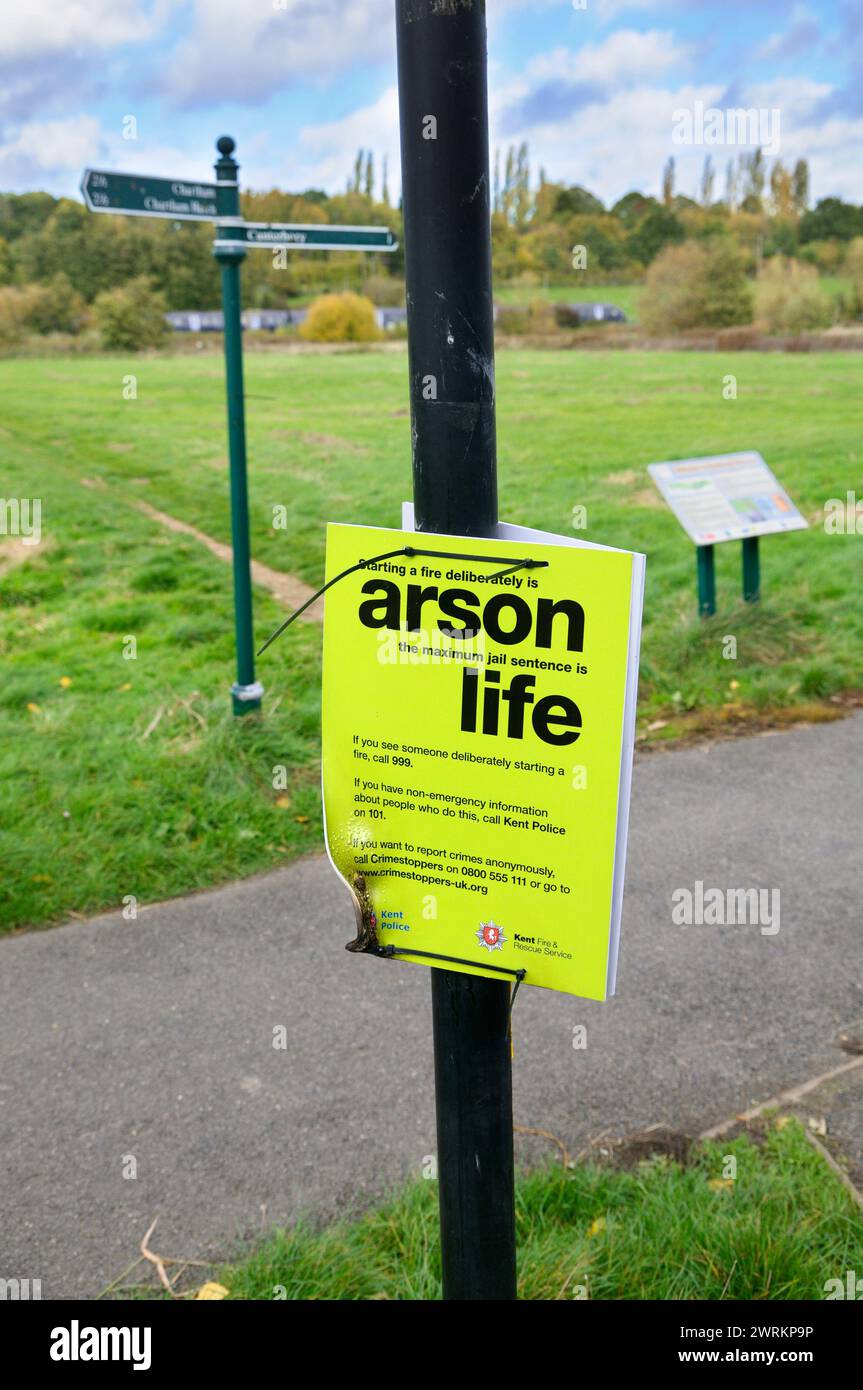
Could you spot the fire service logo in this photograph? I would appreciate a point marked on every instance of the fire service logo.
(490, 936)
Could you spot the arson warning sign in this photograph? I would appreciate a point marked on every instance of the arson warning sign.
(478, 724)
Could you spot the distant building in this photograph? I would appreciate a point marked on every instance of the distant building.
(594, 313)
(391, 318)
(212, 321)
(258, 320)
(197, 321)
(268, 320)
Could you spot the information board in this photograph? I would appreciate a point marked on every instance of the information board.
(726, 497)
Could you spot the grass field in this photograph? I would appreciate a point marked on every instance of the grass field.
(780, 1230)
(129, 777)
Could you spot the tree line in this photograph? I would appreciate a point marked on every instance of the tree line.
(542, 232)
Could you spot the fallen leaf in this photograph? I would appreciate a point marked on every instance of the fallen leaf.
(212, 1290)
(34, 709)
(720, 1184)
(817, 1126)
(657, 724)
(283, 801)
(301, 820)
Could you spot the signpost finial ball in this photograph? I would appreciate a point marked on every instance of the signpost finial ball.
(225, 144)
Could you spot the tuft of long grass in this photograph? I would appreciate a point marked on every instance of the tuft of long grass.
(779, 1229)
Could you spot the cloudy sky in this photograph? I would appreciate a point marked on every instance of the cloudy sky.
(302, 84)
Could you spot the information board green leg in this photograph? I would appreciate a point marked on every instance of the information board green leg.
(751, 570)
(706, 580)
(246, 692)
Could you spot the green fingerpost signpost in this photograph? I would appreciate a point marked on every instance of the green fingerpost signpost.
(246, 692)
(184, 200)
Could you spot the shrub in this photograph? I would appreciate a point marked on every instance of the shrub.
(739, 339)
(51, 308)
(17, 304)
(341, 318)
(512, 318)
(854, 269)
(386, 291)
(58, 308)
(828, 256)
(789, 297)
(696, 285)
(132, 316)
(729, 293)
(536, 317)
(566, 316)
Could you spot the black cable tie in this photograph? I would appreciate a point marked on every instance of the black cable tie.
(516, 986)
(390, 951)
(408, 551)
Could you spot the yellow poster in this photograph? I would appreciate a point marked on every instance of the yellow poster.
(478, 722)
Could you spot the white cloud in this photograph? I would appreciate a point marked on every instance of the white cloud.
(38, 28)
(801, 33)
(833, 150)
(625, 55)
(47, 147)
(326, 151)
(613, 143)
(247, 54)
(613, 132)
(53, 154)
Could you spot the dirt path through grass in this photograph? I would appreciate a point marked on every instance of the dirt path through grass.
(285, 587)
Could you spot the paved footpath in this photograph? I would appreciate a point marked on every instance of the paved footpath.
(155, 1038)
